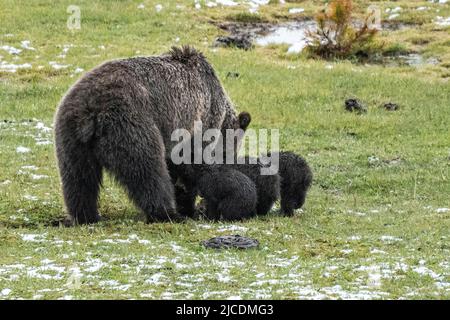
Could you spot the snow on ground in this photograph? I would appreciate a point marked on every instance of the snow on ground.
(443, 22)
(185, 271)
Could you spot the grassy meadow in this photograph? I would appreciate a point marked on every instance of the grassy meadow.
(376, 224)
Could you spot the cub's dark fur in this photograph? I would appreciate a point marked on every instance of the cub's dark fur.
(291, 184)
(267, 186)
(228, 194)
(120, 117)
(296, 179)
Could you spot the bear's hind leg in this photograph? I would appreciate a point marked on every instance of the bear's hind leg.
(135, 155)
(81, 177)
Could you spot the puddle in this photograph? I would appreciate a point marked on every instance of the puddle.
(411, 60)
(293, 34)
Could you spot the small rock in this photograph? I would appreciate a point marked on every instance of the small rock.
(372, 160)
(390, 106)
(233, 75)
(352, 105)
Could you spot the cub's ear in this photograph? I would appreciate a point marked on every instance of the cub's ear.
(244, 120)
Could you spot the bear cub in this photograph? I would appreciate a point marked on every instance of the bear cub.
(291, 184)
(228, 194)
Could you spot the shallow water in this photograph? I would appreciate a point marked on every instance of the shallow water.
(412, 60)
(293, 34)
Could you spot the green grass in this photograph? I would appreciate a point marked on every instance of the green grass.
(368, 230)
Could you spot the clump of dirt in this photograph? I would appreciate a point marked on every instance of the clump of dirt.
(249, 29)
(354, 105)
(390, 106)
(241, 35)
(233, 75)
(237, 41)
(228, 242)
(374, 161)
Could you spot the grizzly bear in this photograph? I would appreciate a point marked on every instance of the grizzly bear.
(228, 194)
(120, 117)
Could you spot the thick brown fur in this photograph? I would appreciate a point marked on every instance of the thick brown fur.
(228, 194)
(120, 117)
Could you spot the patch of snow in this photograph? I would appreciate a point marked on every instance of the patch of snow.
(94, 265)
(296, 10)
(228, 3)
(211, 4)
(43, 142)
(234, 298)
(282, 262)
(377, 251)
(393, 16)
(225, 278)
(232, 228)
(11, 50)
(33, 237)
(6, 182)
(5, 292)
(11, 67)
(390, 238)
(38, 176)
(204, 226)
(41, 126)
(424, 271)
(58, 66)
(443, 22)
(155, 279)
(30, 197)
(34, 168)
(26, 45)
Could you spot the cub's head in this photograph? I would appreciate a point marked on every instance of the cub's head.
(244, 120)
(296, 179)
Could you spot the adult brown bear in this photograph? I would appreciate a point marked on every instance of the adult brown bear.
(120, 117)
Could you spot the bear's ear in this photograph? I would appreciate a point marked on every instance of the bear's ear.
(244, 120)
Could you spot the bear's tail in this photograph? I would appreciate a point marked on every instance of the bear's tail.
(73, 123)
